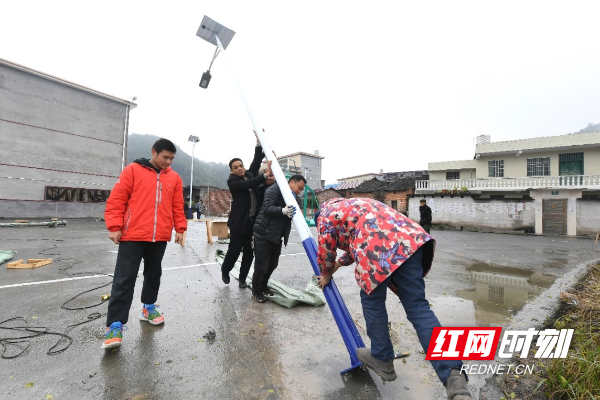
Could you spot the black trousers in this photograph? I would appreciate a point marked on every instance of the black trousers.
(128, 264)
(267, 257)
(237, 242)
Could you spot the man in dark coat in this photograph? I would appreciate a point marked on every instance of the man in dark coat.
(425, 220)
(244, 208)
(273, 223)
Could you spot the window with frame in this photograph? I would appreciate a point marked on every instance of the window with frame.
(496, 169)
(538, 166)
(57, 193)
(452, 175)
(570, 164)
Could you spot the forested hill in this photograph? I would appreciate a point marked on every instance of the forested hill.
(590, 128)
(205, 173)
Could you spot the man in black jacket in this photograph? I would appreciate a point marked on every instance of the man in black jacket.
(273, 223)
(425, 220)
(244, 208)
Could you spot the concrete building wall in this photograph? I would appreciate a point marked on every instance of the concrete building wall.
(311, 170)
(437, 175)
(487, 214)
(588, 216)
(54, 134)
(441, 175)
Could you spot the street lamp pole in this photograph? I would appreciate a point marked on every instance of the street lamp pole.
(194, 140)
(220, 36)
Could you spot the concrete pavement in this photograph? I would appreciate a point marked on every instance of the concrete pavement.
(262, 351)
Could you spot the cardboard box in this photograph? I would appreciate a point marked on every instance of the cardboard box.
(219, 228)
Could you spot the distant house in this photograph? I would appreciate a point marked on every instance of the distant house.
(210, 194)
(546, 184)
(394, 176)
(218, 202)
(327, 194)
(346, 188)
(305, 164)
(394, 194)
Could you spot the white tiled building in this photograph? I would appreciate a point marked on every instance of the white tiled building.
(561, 174)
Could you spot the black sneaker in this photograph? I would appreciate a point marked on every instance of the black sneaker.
(225, 277)
(259, 297)
(268, 292)
(243, 284)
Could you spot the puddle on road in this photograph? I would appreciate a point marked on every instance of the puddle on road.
(500, 291)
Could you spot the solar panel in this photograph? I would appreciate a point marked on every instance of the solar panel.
(209, 28)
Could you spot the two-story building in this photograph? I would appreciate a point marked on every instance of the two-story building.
(546, 185)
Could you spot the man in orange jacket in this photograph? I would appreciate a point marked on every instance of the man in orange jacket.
(142, 209)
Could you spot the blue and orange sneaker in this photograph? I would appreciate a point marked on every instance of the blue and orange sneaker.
(152, 315)
(113, 335)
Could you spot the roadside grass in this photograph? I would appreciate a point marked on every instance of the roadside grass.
(578, 375)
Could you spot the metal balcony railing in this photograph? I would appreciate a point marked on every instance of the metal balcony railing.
(505, 184)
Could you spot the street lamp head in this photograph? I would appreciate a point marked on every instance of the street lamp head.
(205, 79)
(193, 139)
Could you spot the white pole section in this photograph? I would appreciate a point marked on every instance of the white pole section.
(338, 308)
(287, 194)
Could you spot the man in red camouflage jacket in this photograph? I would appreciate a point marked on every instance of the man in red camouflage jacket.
(390, 251)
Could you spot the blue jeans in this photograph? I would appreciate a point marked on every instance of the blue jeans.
(408, 280)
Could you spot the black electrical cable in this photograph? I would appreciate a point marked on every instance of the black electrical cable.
(8, 343)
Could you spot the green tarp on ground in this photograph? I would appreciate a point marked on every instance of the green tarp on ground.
(6, 255)
(284, 295)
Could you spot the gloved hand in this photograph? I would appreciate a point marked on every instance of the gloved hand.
(289, 211)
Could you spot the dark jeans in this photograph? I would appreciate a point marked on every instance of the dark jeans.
(237, 242)
(267, 257)
(128, 264)
(408, 280)
(427, 228)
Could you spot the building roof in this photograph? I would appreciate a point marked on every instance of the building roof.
(356, 176)
(541, 143)
(301, 153)
(317, 191)
(65, 82)
(348, 185)
(375, 184)
(448, 165)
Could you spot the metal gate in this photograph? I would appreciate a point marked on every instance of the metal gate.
(554, 216)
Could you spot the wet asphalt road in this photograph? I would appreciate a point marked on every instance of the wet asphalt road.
(262, 351)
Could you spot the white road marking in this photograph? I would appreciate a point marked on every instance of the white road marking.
(103, 276)
(53, 281)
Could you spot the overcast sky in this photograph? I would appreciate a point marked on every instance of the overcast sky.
(373, 85)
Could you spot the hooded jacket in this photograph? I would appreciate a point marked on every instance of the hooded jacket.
(240, 193)
(374, 236)
(271, 224)
(145, 204)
